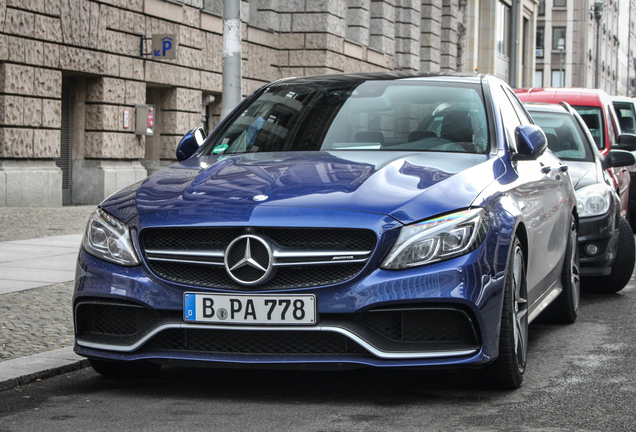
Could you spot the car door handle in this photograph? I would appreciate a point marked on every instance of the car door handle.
(546, 170)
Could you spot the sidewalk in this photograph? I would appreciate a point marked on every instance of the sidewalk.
(36, 285)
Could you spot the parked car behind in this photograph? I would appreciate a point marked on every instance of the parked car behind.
(606, 241)
(625, 108)
(597, 111)
(390, 220)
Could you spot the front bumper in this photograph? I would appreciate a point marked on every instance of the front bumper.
(460, 296)
(601, 231)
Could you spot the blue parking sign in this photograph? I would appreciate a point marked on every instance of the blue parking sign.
(164, 46)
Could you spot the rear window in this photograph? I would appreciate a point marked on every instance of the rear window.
(413, 115)
(593, 118)
(566, 139)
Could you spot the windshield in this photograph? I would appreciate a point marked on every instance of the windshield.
(566, 139)
(593, 118)
(400, 115)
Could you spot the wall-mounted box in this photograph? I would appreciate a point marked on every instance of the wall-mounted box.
(145, 124)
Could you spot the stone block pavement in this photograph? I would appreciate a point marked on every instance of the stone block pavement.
(38, 251)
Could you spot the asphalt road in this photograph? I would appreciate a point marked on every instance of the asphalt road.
(581, 377)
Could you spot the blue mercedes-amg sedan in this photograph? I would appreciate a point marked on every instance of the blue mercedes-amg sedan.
(390, 220)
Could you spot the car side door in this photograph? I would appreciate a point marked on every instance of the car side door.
(539, 194)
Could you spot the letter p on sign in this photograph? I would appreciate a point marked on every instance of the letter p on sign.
(164, 46)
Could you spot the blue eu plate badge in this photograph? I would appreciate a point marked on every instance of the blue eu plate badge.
(189, 309)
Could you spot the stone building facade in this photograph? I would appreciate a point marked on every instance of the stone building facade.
(574, 64)
(72, 71)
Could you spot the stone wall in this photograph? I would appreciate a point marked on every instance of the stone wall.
(95, 45)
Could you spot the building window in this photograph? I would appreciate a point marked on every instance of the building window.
(540, 38)
(558, 78)
(503, 30)
(538, 78)
(541, 7)
(558, 37)
(560, 3)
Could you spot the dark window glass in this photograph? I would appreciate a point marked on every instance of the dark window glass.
(558, 37)
(503, 30)
(540, 39)
(541, 7)
(359, 115)
(559, 3)
(566, 139)
(593, 118)
(626, 117)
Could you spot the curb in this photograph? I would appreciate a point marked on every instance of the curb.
(27, 369)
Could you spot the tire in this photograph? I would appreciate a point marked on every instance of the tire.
(622, 268)
(124, 369)
(564, 310)
(506, 372)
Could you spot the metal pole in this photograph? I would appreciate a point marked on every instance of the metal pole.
(582, 50)
(598, 14)
(561, 77)
(513, 49)
(616, 45)
(629, 48)
(231, 56)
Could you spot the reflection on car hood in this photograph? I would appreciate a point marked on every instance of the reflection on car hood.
(405, 185)
(582, 173)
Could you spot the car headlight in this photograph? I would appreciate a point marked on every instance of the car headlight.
(593, 200)
(438, 239)
(109, 239)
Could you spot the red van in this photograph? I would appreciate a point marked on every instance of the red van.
(596, 109)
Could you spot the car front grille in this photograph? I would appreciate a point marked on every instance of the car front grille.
(254, 342)
(421, 325)
(302, 257)
(116, 322)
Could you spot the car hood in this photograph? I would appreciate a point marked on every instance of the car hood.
(582, 173)
(407, 186)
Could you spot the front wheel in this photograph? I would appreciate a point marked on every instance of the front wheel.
(622, 268)
(506, 372)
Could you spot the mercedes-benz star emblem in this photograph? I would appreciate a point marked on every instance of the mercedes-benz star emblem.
(248, 260)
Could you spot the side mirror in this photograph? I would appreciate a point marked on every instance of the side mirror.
(626, 141)
(531, 142)
(190, 143)
(618, 158)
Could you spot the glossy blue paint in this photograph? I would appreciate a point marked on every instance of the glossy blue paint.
(377, 190)
(531, 142)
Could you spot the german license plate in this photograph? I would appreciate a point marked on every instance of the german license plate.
(250, 309)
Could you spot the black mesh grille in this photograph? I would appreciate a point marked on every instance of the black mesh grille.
(285, 277)
(421, 325)
(189, 239)
(322, 239)
(254, 342)
(297, 239)
(112, 319)
(220, 238)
